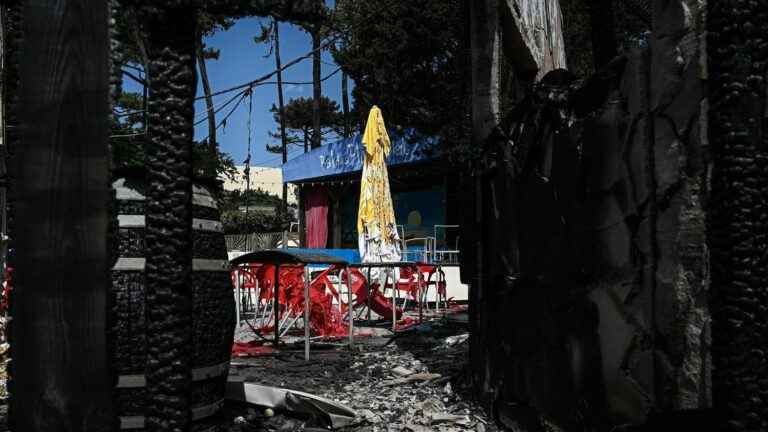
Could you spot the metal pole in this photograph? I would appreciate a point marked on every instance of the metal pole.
(420, 287)
(426, 292)
(441, 277)
(276, 304)
(288, 327)
(237, 296)
(394, 297)
(368, 292)
(267, 318)
(306, 312)
(349, 308)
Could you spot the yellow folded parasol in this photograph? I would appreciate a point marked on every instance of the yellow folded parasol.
(378, 238)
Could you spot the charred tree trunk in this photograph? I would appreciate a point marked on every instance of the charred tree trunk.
(738, 217)
(172, 34)
(281, 105)
(58, 90)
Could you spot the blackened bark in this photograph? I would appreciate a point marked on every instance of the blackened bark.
(172, 33)
(738, 211)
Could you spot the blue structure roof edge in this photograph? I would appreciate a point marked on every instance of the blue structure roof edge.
(346, 156)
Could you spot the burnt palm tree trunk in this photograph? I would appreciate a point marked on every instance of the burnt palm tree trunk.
(168, 234)
(738, 214)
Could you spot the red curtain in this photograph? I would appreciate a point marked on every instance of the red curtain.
(316, 217)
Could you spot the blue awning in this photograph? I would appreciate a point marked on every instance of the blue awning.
(346, 156)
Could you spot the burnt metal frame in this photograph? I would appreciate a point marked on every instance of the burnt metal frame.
(286, 256)
(390, 266)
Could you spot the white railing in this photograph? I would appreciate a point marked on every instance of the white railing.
(424, 254)
(445, 255)
(429, 251)
(258, 241)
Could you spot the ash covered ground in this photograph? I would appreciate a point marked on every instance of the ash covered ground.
(414, 381)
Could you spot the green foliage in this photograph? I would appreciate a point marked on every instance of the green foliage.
(409, 58)
(258, 220)
(131, 32)
(631, 21)
(298, 121)
(267, 34)
(203, 162)
(209, 23)
(128, 138)
(128, 132)
(233, 200)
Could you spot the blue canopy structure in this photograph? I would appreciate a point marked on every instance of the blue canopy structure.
(346, 156)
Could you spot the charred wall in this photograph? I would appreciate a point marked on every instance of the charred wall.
(594, 309)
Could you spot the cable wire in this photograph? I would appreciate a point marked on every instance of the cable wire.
(274, 72)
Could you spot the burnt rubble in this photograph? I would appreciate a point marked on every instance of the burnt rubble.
(414, 381)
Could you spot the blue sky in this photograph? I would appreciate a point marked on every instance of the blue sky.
(241, 60)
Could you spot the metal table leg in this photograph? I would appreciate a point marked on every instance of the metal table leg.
(394, 300)
(349, 308)
(306, 312)
(276, 304)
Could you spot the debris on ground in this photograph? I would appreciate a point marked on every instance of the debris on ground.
(412, 381)
(4, 358)
(333, 415)
(455, 340)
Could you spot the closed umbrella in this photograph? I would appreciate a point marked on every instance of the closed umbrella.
(378, 240)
